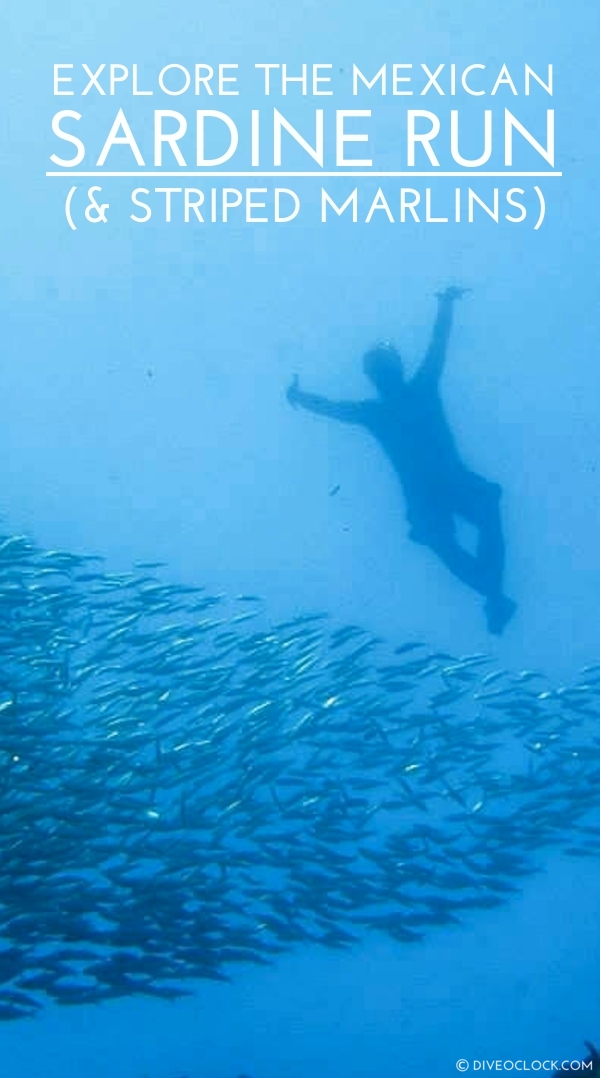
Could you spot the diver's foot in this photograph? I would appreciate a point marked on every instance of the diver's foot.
(416, 536)
(499, 610)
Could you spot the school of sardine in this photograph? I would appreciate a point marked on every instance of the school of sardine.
(185, 786)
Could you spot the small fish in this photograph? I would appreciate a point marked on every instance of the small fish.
(181, 795)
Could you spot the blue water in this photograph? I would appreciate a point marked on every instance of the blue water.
(144, 418)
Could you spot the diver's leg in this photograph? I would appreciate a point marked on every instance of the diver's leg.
(491, 550)
(479, 502)
(464, 566)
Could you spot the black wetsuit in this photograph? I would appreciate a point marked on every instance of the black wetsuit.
(407, 418)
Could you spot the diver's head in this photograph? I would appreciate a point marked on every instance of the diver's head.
(383, 367)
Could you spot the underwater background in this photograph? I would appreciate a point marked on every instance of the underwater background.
(144, 420)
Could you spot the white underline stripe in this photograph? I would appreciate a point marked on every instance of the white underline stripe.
(302, 175)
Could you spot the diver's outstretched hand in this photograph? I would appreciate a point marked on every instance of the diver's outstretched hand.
(453, 292)
(293, 391)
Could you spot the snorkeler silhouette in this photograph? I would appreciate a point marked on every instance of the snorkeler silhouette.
(592, 1058)
(407, 419)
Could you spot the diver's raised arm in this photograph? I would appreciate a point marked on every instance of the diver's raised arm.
(435, 357)
(345, 411)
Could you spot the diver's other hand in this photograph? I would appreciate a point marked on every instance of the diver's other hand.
(293, 391)
(453, 292)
